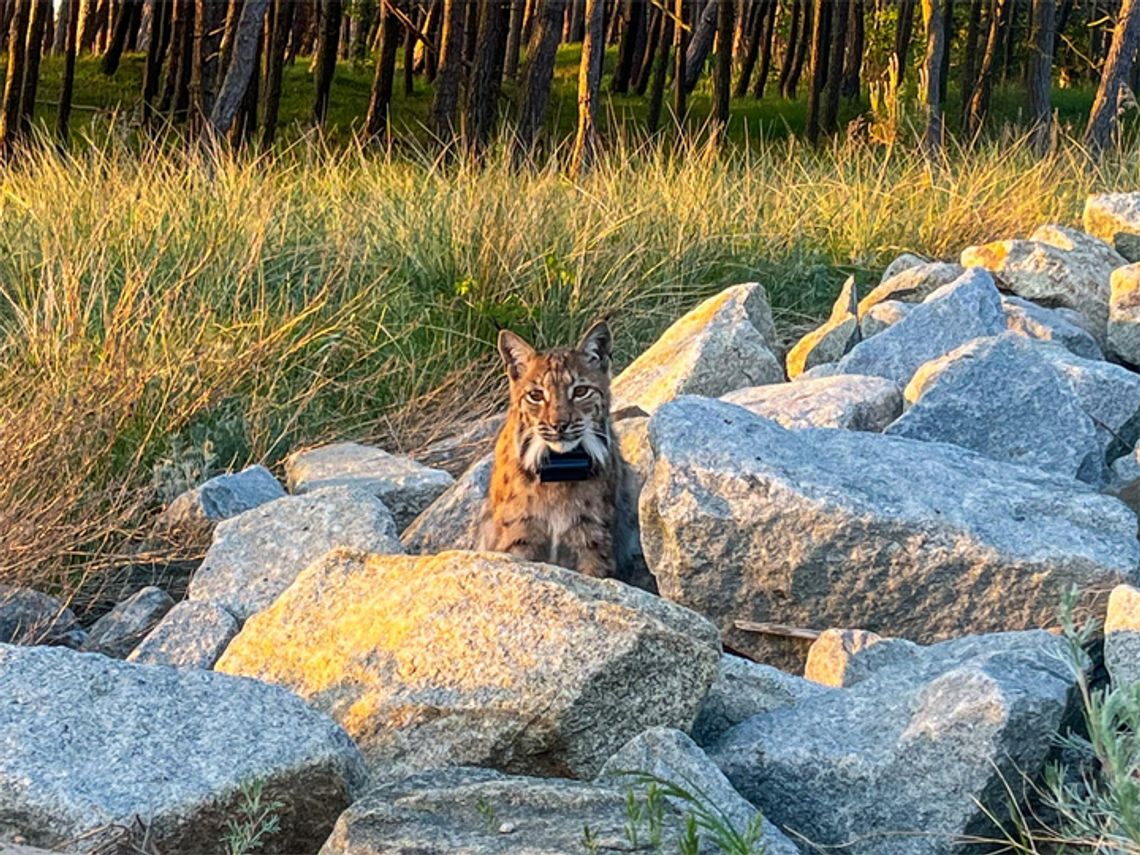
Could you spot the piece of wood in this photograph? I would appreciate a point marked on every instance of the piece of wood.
(780, 629)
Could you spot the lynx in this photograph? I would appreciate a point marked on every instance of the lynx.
(559, 408)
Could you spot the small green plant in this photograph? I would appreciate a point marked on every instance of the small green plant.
(589, 840)
(632, 818)
(257, 820)
(487, 812)
(690, 842)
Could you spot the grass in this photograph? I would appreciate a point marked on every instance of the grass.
(167, 314)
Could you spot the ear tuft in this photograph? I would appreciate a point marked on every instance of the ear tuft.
(597, 345)
(515, 352)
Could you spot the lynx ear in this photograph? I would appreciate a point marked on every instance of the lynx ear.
(597, 345)
(515, 352)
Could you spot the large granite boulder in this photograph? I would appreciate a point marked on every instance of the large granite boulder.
(828, 342)
(743, 519)
(725, 343)
(456, 453)
(479, 658)
(452, 521)
(472, 811)
(403, 485)
(87, 741)
(1115, 219)
(1124, 313)
(1122, 635)
(257, 554)
(669, 756)
(117, 632)
(883, 315)
(1002, 398)
(1086, 246)
(844, 657)
(32, 617)
(909, 761)
(844, 401)
(1049, 325)
(967, 308)
(193, 634)
(220, 498)
(910, 284)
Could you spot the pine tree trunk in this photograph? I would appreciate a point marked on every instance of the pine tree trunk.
(680, 58)
(819, 53)
(589, 80)
(538, 73)
(155, 57)
(514, 39)
(209, 25)
(445, 98)
(129, 11)
(410, 51)
(380, 101)
(934, 20)
(10, 125)
(70, 27)
(275, 67)
(979, 103)
(633, 23)
(328, 39)
(241, 67)
(969, 73)
(652, 43)
(1009, 39)
(1117, 66)
(903, 34)
(802, 47)
(1041, 72)
(856, 38)
(660, 68)
(837, 40)
(486, 73)
(41, 11)
(431, 49)
(63, 21)
(245, 124)
(790, 48)
(722, 77)
(700, 43)
(753, 31)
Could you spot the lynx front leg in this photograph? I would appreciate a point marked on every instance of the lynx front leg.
(518, 537)
(593, 546)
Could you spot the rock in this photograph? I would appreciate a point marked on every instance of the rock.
(911, 759)
(117, 632)
(452, 520)
(844, 401)
(403, 485)
(1122, 635)
(883, 315)
(1048, 275)
(725, 343)
(912, 284)
(479, 658)
(31, 617)
(220, 498)
(1002, 398)
(906, 261)
(844, 657)
(830, 341)
(1126, 468)
(743, 689)
(1082, 243)
(256, 555)
(88, 741)
(743, 519)
(1115, 219)
(968, 308)
(633, 439)
(828, 369)
(1037, 322)
(671, 756)
(471, 811)
(1124, 313)
(456, 454)
(193, 634)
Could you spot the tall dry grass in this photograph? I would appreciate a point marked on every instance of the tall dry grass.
(165, 314)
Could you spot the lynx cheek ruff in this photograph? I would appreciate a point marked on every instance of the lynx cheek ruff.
(572, 466)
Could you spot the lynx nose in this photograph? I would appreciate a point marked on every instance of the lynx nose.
(561, 427)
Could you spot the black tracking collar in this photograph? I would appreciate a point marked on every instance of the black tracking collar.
(574, 465)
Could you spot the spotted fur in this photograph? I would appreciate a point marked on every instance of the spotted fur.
(560, 400)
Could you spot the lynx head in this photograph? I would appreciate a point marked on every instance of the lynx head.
(560, 398)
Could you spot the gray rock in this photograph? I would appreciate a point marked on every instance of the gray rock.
(725, 343)
(633, 439)
(743, 519)
(906, 261)
(1002, 398)
(452, 520)
(193, 634)
(844, 401)
(743, 689)
(829, 342)
(1046, 274)
(471, 811)
(86, 741)
(1082, 243)
(470, 658)
(455, 454)
(882, 315)
(1124, 313)
(1050, 325)
(911, 284)
(909, 760)
(968, 308)
(1126, 468)
(845, 657)
(1115, 219)
(117, 632)
(404, 486)
(220, 498)
(256, 555)
(32, 617)
(1122, 635)
(828, 369)
(671, 756)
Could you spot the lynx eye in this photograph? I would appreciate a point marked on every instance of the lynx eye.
(580, 392)
(535, 396)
